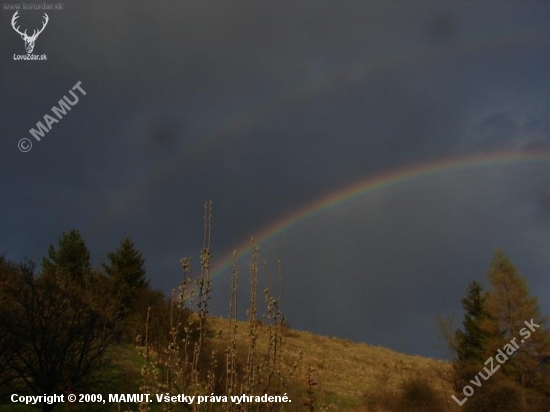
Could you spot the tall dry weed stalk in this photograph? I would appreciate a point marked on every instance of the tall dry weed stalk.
(191, 365)
(309, 401)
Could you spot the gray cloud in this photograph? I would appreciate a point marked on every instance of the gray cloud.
(265, 108)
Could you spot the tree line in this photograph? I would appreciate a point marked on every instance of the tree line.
(501, 354)
(60, 319)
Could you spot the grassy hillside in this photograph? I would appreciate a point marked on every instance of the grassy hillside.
(349, 376)
(348, 373)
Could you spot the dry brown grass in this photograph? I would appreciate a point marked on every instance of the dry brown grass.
(346, 372)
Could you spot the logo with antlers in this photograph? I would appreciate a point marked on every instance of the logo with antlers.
(29, 40)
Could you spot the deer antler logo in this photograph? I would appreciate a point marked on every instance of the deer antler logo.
(29, 40)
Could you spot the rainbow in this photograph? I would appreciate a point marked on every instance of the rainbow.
(383, 181)
(236, 127)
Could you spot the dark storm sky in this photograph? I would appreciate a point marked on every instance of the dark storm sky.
(265, 107)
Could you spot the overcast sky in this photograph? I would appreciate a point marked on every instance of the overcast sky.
(267, 107)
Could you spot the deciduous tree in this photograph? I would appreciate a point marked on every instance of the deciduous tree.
(56, 334)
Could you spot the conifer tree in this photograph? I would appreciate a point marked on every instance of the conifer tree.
(504, 348)
(71, 259)
(473, 340)
(515, 314)
(472, 343)
(127, 266)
